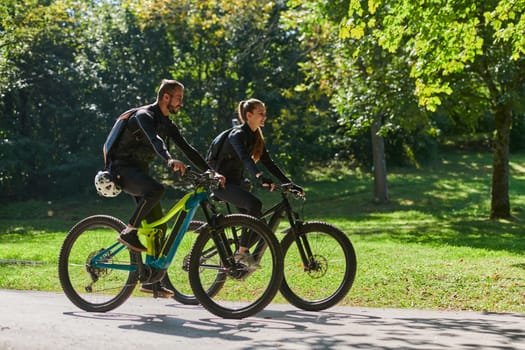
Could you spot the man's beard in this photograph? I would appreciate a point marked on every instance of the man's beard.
(172, 109)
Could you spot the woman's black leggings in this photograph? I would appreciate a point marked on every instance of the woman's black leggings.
(245, 202)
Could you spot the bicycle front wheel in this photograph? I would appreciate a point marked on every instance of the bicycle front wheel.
(177, 278)
(245, 290)
(328, 272)
(96, 289)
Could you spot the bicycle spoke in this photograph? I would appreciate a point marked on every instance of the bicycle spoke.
(98, 287)
(329, 270)
(245, 290)
(177, 278)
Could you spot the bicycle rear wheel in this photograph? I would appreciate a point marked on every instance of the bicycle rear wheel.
(177, 278)
(96, 289)
(330, 272)
(245, 292)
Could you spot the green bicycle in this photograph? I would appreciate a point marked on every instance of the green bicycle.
(98, 273)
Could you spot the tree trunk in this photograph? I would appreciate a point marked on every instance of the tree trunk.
(378, 152)
(500, 204)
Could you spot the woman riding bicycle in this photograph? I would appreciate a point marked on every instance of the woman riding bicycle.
(243, 149)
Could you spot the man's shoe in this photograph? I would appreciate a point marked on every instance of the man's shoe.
(131, 240)
(162, 292)
(247, 259)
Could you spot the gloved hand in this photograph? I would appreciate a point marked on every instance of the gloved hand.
(296, 188)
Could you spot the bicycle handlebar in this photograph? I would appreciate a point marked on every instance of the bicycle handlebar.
(290, 188)
(206, 179)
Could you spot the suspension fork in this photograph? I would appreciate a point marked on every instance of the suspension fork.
(305, 251)
(223, 247)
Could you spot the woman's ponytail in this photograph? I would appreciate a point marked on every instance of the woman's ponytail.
(258, 147)
(244, 107)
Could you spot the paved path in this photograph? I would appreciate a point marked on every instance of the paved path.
(48, 321)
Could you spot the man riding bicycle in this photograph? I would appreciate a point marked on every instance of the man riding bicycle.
(142, 140)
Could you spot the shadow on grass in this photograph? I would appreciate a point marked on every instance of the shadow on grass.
(521, 266)
(447, 203)
(485, 234)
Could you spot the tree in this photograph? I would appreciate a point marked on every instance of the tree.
(369, 87)
(228, 51)
(478, 44)
(68, 68)
(37, 77)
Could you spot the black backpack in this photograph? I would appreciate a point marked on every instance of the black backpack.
(213, 154)
(114, 134)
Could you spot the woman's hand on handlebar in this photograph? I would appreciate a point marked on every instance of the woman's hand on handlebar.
(294, 189)
(297, 189)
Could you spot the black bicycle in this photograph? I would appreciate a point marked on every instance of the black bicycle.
(98, 273)
(319, 260)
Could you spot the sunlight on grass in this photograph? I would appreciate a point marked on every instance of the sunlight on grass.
(432, 246)
(518, 168)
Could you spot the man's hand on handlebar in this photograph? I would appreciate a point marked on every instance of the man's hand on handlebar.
(221, 178)
(212, 174)
(177, 165)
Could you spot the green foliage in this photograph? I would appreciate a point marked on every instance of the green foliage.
(471, 46)
(40, 95)
(366, 83)
(509, 25)
(71, 69)
(327, 70)
(225, 53)
(471, 41)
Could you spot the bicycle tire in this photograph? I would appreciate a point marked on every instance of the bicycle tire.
(244, 292)
(177, 278)
(95, 289)
(334, 265)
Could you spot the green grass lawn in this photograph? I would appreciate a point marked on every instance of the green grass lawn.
(431, 247)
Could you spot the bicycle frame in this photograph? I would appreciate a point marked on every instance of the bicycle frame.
(276, 213)
(184, 209)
